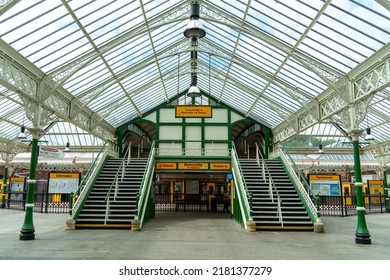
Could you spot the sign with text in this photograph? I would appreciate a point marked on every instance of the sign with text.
(63, 182)
(325, 184)
(47, 152)
(193, 165)
(193, 111)
(166, 165)
(220, 165)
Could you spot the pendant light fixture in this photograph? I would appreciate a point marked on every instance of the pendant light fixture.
(194, 31)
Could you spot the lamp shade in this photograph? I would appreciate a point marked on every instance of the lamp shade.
(21, 134)
(320, 150)
(193, 91)
(368, 137)
(194, 26)
(67, 149)
(194, 29)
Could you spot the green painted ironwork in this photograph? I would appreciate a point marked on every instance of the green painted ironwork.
(84, 181)
(5, 185)
(241, 190)
(386, 192)
(119, 141)
(362, 235)
(144, 210)
(28, 231)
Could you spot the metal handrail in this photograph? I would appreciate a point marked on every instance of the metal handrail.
(144, 189)
(116, 183)
(86, 181)
(307, 193)
(271, 185)
(245, 194)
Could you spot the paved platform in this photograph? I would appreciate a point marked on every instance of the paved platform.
(191, 236)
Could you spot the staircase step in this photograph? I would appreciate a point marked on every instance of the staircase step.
(122, 210)
(264, 211)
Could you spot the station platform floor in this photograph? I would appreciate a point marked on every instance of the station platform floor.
(190, 236)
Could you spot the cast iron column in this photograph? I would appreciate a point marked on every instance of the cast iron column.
(386, 192)
(28, 232)
(2, 205)
(362, 235)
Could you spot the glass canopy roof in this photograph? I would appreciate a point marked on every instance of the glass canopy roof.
(267, 59)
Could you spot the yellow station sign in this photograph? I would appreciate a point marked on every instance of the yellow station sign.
(65, 175)
(166, 165)
(324, 177)
(193, 165)
(193, 111)
(220, 165)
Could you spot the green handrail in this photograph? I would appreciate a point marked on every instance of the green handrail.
(246, 198)
(144, 191)
(86, 177)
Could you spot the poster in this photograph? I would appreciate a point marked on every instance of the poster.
(64, 182)
(325, 185)
(16, 188)
(376, 190)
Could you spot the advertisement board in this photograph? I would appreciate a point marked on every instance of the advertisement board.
(63, 182)
(325, 185)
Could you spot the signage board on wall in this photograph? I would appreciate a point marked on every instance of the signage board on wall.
(193, 111)
(325, 185)
(63, 182)
(166, 165)
(220, 165)
(193, 165)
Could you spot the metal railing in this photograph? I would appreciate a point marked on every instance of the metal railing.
(89, 179)
(271, 186)
(115, 183)
(295, 174)
(143, 195)
(244, 195)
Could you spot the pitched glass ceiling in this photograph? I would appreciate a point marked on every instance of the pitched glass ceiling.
(127, 57)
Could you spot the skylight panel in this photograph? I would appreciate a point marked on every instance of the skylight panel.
(154, 8)
(304, 81)
(26, 15)
(266, 115)
(87, 78)
(236, 10)
(365, 19)
(233, 93)
(327, 56)
(221, 35)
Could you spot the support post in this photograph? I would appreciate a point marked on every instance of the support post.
(362, 235)
(386, 192)
(267, 141)
(5, 185)
(28, 231)
(119, 141)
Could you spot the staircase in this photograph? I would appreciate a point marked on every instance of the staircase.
(265, 212)
(122, 210)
